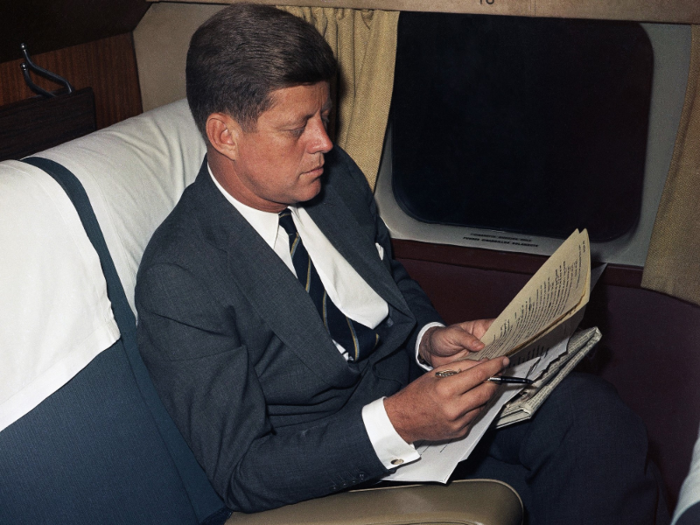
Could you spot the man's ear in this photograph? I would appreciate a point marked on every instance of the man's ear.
(223, 133)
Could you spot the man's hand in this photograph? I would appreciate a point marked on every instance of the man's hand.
(441, 346)
(436, 408)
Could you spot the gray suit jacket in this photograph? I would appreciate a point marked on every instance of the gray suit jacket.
(241, 358)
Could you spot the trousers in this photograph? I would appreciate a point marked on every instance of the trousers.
(581, 459)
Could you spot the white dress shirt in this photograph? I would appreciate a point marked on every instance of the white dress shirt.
(350, 293)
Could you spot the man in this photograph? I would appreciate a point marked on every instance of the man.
(279, 331)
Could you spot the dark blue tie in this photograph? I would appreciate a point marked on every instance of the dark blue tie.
(356, 338)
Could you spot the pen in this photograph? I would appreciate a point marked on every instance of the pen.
(506, 379)
(496, 379)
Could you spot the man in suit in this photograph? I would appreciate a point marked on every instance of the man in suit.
(280, 333)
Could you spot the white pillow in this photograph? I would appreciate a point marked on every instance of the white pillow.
(55, 316)
(134, 173)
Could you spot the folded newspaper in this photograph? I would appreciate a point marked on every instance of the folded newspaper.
(532, 396)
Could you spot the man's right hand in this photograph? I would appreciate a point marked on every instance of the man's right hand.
(434, 408)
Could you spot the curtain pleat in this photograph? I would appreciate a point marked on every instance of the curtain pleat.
(673, 260)
(364, 41)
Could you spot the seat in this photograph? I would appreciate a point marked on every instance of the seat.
(85, 438)
(688, 508)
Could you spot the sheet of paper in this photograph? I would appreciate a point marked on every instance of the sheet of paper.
(559, 289)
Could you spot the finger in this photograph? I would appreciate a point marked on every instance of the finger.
(459, 337)
(470, 375)
(460, 356)
(481, 326)
(472, 342)
(468, 407)
(480, 373)
(467, 362)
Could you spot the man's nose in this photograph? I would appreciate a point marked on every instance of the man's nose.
(320, 141)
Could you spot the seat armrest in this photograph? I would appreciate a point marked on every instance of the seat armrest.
(462, 502)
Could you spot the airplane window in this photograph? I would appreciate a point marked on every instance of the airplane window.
(523, 125)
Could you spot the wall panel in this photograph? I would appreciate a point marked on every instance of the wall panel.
(108, 66)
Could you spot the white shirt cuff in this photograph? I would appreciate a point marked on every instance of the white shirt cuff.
(420, 338)
(390, 448)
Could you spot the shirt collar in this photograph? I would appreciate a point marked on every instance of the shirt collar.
(264, 222)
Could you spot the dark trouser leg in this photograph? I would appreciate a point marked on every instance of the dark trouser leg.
(581, 459)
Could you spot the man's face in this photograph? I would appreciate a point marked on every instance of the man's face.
(280, 161)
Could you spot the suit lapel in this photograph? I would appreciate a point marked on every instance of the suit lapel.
(272, 290)
(343, 231)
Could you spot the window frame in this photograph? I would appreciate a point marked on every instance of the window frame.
(671, 44)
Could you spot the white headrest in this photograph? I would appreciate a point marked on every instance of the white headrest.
(134, 173)
(55, 316)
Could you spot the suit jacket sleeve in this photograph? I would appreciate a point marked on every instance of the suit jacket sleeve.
(223, 416)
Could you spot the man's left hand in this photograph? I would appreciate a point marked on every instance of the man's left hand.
(443, 345)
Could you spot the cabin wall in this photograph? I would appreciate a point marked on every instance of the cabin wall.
(107, 65)
(648, 351)
(161, 41)
(88, 43)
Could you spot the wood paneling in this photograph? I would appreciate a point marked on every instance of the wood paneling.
(35, 124)
(108, 66)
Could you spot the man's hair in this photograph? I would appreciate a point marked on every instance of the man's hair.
(246, 51)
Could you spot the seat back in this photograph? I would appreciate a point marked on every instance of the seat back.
(100, 448)
(134, 173)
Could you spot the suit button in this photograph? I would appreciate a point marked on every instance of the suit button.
(397, 462)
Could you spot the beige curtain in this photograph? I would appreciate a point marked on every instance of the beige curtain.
(364, 41)
(673, 261)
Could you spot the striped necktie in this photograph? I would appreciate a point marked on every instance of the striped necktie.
(357, 339)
